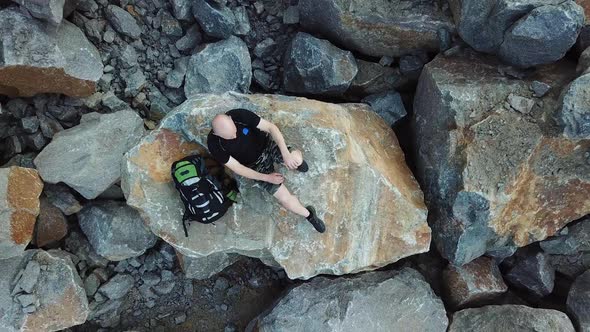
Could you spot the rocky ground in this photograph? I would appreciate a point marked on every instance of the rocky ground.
(449, 145)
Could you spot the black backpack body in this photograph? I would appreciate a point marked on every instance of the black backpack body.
(203, 198)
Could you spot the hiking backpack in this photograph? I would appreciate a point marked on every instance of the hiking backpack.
(203, 198)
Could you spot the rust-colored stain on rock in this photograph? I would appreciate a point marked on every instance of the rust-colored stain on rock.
(26, 81)
(157, 156)
(540, 204)
(66, 312)
(23, 191)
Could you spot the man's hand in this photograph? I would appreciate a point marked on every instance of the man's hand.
(275, 178)
(293, 159)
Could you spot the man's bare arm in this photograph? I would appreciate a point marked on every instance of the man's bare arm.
(249, 173)
(276, 135)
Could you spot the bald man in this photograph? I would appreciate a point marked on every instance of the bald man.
(240, 140)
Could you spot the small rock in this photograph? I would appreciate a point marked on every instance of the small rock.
(315, 66)
(91, 284)
(291, 15)
(574, 114)
(29, 278)
(109, 36)
(51, 224)
(221, 284)
(388, 105)
(170, 26)
(122, 22)
(128, 57)
(164, 287)
(179, 319)
(60, 196)
(386, 61)
(117, 287)
(475, 283)
(263, 79)
(242, 21)
(411, 65)
(113, 103)
(264, 48)
(532, 271)
(521, 104)
(190, 40)
(540, 88)
(135, 81)
(215, 19)
(30, 124)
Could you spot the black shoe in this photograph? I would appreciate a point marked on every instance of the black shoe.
(313, 219)
(303, 167)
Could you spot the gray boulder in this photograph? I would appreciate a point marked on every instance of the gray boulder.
(88, 157)
(543, 36)
(578, 302)
(574, 114)
(491, 175)
(217, 20)
(219, 67)
(41, 291)
(510, 318)
(182, 10)
(378, 27)
(378, 301)
(388, 105)
(517, 30)
(315, 66)
(533, 272)
(115, 230)
(47, 60)
(123, 22)
(51, 11)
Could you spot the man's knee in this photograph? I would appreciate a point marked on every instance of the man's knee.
(284, 196)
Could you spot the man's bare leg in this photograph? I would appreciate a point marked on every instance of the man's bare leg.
(290, 201)
(298, 156)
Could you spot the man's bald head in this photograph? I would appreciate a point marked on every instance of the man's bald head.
(224, 126)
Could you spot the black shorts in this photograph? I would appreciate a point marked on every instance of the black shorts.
(266, 164)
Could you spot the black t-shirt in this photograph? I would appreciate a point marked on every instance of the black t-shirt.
(246, 147)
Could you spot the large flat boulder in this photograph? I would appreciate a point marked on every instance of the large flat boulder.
(358, 181)
(378, 27)
(41, 291)
(377, 301)
(88, 157)
(510, 318)
(47, 60)
(20, 189)
(495, 169)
